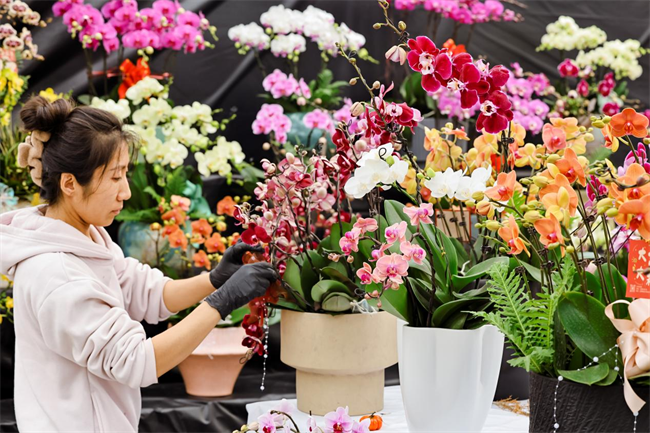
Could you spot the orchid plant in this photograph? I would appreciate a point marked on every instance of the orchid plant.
(120, 24)
(593, 81)
(280, 420)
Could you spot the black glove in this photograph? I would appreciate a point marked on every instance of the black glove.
(248, 283)
(231, 262)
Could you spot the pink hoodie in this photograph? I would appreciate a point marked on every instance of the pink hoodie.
(81, 353)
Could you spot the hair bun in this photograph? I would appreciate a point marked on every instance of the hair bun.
(39, 114)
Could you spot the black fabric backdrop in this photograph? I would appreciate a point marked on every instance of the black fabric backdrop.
(222, 78)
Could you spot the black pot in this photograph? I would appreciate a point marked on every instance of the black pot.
(513, 381)
(583, 408)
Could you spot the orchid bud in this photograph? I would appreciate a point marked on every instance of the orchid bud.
(155, 227)
(589, 137)
(478, 195)
(360, 145)
(431, 173)
(532, 216)
(401, 25)
(268, 215)
(350, 259)
(376, 85)
(301, 101)
(353, 81)
(493, 225)
(353, 61)
(397, 146)
(321, 193)
(357, 109)
(552, 159)
(598, 124)
(390, 160)
(396, 54)
(221, 226)
(254, 426)
(266, 146)
(524, 208)
(149, 50)
(540, 181)
(570, 249)
(291, 158)
(646, 141)
(533, 203)
(334, 257)
(318, 101)
(606, 119)
(553, 246)
(612, 213)
(582, 129)
(376, 26)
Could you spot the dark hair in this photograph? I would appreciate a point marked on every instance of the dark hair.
(82, 140)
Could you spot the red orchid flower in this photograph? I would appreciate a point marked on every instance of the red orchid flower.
(255, 234)
(434, 64)
(495, 113)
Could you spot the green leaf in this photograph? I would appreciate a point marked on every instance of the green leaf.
(534, 272)
(336, 234)
(457, 321)
(395, 215)
(293, 278)
(617, 290)
(337, 275)
(337, 303)
(324, 288)
(593, 284)
(588, 376)
(443, 312)
(584, 320)
(476, 272)
(394, 301)
(611, 378)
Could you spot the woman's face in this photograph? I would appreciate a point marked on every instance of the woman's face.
(106, 194)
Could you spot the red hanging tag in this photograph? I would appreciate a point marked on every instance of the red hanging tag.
(638, 270)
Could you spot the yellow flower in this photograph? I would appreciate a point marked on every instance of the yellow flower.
(50, 95)
(9, 303)
(528, 155)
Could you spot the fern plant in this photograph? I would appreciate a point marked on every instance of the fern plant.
(528, 321)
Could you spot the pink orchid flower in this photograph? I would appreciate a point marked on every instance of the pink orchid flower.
(392, 268)
(366, 225)
(350, 241)
(412, 252)
(269, 422)
(395, 232)
(420, 214)
(338, 421)
(361, 426)
(365, 274)
(378, 254)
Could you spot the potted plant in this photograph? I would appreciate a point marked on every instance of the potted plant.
(580, 333)
(309, 105)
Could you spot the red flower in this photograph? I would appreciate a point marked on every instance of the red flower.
(255, 234)
(132, 74)
(434, 65)
(610, 108)
(495, 113)
(340, 139)
(583, 88)
(568, 68)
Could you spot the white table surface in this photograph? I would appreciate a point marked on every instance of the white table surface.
(498, 420)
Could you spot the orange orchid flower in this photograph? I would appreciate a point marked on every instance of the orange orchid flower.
(450, 44)
(510, 234)
(169, 229)
(226, 206)
(176, 215)
(235, 238)
(629, 122)
(635, 214)
(550, 231)
(611, 142)
(178, 239)
(558, 205)
(201, 260)
(197, 239)
(201, 227)
(634, 175)
(560, 182)
(131, 74)
(569, 166)
(505, 187)
(574, 139)
(215, 244)
(554, 138)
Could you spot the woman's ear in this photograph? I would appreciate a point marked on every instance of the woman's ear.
(68, 184)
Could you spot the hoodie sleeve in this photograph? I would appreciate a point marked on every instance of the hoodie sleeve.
(142, 287)
(82, 323)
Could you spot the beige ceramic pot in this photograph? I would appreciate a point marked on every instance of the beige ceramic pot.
(213, 368)
(339, 360)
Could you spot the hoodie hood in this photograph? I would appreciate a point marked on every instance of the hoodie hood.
(26, 233)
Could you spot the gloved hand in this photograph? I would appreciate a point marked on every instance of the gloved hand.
(231, 262)
(248, 283)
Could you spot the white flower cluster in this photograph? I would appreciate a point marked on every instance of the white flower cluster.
(566, 35)
(218, 158)
(120, 109)
(250, 35)
(167, 132)
(288, 28)
(146, 88)
(453, 184)
(283, 45)
(619, 56)
(376, 167)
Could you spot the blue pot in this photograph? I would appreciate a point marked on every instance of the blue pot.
(137, 240)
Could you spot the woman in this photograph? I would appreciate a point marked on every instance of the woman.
(81, 352)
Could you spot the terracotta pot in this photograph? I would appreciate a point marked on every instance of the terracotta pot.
(583, 408)
(214, 366)
(339, 360)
